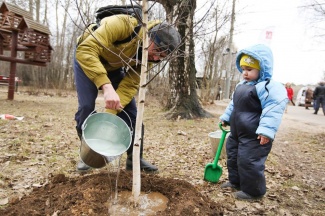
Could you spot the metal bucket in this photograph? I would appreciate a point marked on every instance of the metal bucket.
(214, 141)
(103, 134)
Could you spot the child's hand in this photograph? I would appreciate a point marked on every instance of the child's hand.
(224, 124)
(263, 139)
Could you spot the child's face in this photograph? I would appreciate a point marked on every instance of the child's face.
(250, 74)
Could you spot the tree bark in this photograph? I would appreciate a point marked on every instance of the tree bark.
(37, 8)
(228, 72)
(183, 71)
(136, 189)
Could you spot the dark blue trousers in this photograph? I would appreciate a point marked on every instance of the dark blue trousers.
(245, 162)
(319, 101)
(88, 92)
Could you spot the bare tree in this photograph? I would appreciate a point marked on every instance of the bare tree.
(230, 51)
(37, 10)
(316, 11)
(184, 101)
(67, 22)
(213, 55)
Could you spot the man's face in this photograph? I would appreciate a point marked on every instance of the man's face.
(155, 54)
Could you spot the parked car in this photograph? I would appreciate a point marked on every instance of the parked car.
(301, 96)
(4, 80)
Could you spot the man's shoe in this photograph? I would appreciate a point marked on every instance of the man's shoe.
(82, 167)
(144, 166)
(229, 185)
(240, 195)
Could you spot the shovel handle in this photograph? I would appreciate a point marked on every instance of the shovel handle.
(222, 140)
(223, 130)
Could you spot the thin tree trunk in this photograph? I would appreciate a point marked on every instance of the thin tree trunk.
(38, 6)
(63, 74)
(45, 21)
(136, 189)
(187, 103)
(31, 10)
(228, 72)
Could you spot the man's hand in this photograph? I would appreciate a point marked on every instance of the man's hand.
(111, 98)
(263, 139)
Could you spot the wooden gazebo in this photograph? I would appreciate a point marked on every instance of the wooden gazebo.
(19, 32)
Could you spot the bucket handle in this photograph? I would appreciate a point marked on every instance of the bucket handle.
(83, 127)
(129, 120)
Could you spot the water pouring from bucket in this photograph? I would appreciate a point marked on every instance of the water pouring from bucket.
(104, 136)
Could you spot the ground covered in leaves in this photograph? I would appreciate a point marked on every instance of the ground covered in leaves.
(39, 154)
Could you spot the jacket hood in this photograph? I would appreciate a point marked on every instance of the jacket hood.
(264, 55)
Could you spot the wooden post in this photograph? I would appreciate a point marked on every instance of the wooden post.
(136, 189)
(13, 65)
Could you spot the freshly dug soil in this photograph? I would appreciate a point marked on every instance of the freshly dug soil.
(89, 195)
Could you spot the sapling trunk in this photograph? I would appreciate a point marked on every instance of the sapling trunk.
(136, 187)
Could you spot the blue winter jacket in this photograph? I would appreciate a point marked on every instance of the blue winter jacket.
(272, 94)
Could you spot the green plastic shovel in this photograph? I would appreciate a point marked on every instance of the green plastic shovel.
(213, 171)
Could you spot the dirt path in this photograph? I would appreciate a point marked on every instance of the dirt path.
(40, 152)
(301, 115)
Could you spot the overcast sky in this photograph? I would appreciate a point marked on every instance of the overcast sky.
(298, 56)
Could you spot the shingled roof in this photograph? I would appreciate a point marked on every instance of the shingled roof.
(15, 9)
(27, 17)
(36, 26)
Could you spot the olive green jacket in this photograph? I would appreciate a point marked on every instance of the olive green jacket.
(97, 53)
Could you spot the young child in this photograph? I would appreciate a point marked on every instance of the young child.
(254, 115)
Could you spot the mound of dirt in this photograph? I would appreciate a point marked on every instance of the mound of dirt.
(88, 195)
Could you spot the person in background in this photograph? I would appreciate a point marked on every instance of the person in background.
(104, 62)
(254, 115)
(289, 94)
(308, 98)
(319, 97)
(218, 97)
